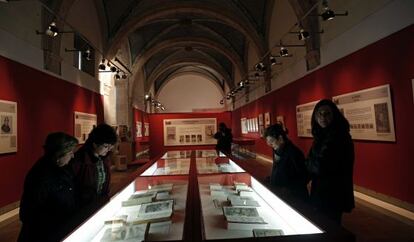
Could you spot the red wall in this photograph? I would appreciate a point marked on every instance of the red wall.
(44, 104)
(157, 131)
(385, 167)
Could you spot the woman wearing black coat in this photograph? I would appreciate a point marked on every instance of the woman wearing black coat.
(48, 199)
(330, 161)
(289, 176)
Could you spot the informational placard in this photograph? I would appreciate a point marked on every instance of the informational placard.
(256, 125)
(243, 123)
(84, 123)
(267, 119)
(190, 131)
(138, 129)
(8, 130)
(303, 118)
(146, 129)
(369, 113)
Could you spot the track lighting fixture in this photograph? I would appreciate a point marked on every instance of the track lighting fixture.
(273, 61)
(124, 76)
(284, 52)
(102, 66)
(260, 67)
(52, 30)
(117, 76)
(221, 101)
(303, 34)
(329, 14)
(113, 69)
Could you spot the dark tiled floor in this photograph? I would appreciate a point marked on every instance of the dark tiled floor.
(367, 222)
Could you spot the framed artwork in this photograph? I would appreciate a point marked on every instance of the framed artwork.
(267, 119)
(8, 130)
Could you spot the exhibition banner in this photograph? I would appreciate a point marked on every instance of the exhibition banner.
(84, 123)
(369, 113)
(190, 131)
(303, 118)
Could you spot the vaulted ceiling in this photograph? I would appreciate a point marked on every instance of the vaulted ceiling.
(170, 37)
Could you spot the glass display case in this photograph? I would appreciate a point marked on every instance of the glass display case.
(173, 166)
(149, 208)
(199, 206)
(238, 206)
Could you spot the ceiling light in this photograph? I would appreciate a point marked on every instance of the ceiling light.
(284, 52)
(113, 68)
(303, 34)
(52, 30)
(328, 14)
(221, 101)
(260, 67)
(117, 77)
(102, 65)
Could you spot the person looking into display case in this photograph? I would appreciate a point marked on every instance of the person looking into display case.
(224, 138)
(48, 199)
(289, 175)
(91, 168)
(330, 161)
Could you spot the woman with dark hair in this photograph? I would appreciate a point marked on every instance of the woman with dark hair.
(48, 199)
(289, 175)
(224, 138)
(91, 168)
(330, 161)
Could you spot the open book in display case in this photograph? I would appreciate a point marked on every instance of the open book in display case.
(189, 196)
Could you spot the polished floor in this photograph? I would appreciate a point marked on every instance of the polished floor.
(368, 222)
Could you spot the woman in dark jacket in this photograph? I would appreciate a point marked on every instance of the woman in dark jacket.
(48, 199)
(330, 161)
(91, 168)
(289, 175)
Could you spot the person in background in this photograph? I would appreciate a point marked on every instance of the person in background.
(91, 167)
(330, 161)
(48, 199)
(289, 175)
(224, 138)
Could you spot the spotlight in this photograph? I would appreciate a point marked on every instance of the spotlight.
(113, 68)
(259, 67)
(221, 101)
(117, 77)
(241, 84)
(303, 34)
(257, 74)
(162, 108)
(124, 76)
(52, 30)
(272, 60)
(102, 65)
(147, 97)
(87, 54)
(284, 52)
(328, 14)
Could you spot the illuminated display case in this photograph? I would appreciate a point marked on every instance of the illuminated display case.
(274, 213)
(216, 206)
(95, 228)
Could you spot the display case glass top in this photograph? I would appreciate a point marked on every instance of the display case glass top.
(149, 208)
(238, 206)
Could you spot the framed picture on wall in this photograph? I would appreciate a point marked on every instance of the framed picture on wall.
(8, 130)
(84, 123)
(267, 119)
(280, 120)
